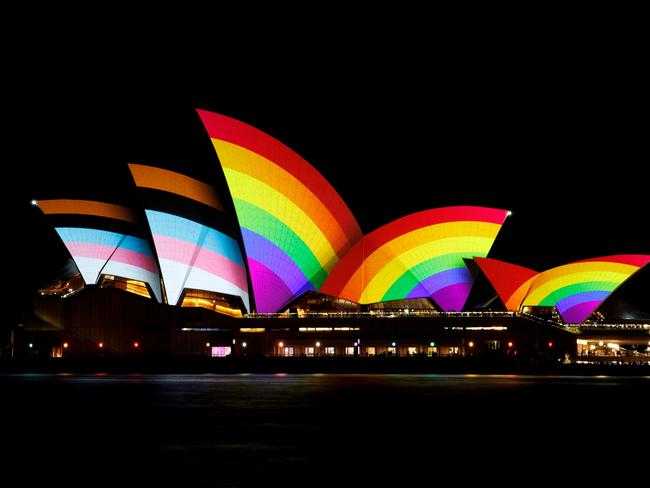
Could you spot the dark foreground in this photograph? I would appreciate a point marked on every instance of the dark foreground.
(321, 430)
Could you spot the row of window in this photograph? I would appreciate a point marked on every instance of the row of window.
(368, 351)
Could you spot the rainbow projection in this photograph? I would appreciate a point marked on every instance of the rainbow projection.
(191, 254)
(98, 251)
(510, 281)
(577, 289)
(294, 225)
(420, 255)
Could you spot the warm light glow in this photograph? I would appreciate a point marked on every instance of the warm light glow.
(243, 344)
(136, 344)
(317, 344)
(65, 345)
(207, 344)
(613, 346)
(471, 344)
(582, 342)
(280, 344)
(252, 329)
(510, 344)
(601, 343)
(34, 203)
(592, 347)
(550, 344)
(100, 345)
(356, 344)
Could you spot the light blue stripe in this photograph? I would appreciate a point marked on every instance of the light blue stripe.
(189, 231)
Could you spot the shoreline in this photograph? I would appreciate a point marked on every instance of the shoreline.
(311, 365)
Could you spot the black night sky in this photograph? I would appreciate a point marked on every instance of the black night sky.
(560, 141)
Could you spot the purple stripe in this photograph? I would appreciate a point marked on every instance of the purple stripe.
(578, 298)
(440, 280)
(270, 291)
(452, 298)
(579, 313)
(275, 260)
(418, 292)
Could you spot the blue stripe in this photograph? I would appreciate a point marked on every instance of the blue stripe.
(189, 231)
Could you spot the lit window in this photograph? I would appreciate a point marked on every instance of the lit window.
(349, 351)
(412, 350)
(432, 351)
(392, 350)
(221, 351)
(309, 350)
(371, 351)
(330, 351)
(288, 351)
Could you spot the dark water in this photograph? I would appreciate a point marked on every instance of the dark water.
(305, 430)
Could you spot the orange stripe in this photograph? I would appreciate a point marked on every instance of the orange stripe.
(86, 207)
(171, 182)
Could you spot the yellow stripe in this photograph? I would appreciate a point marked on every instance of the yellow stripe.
(556, 278)
(391, 270)
(257, 193)
(378, 259)
(176, 183)
(247, 162)
(432, 233)
(86, 207)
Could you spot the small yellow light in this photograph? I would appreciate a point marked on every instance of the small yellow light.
(207, 344)
(471, 344)
(65, 345)
(510, 344)
(100, 345)
(317, 344)
(280, 344)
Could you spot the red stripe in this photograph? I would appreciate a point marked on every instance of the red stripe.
(631, 259)
(506, 278)
(347, 266)
(236, 132)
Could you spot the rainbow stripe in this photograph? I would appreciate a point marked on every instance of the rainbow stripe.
(577, 289)
(192, 255)
(97, 252)
(510, 281)
(420, 255)
(294, 225)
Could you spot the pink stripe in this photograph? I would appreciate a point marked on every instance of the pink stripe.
(209, 261)
(100, 251)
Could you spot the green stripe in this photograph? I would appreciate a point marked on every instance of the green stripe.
(411, 277)
(263, 223)
(552, 298)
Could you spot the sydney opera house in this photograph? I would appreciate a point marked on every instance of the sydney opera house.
(265, 258)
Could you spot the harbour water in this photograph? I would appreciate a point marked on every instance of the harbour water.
(306, 430)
